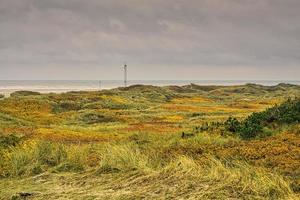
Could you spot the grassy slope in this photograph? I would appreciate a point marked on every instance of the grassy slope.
(128, 172)
(184, 179)
(160, 164)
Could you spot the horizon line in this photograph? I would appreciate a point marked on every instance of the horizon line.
(149, 80)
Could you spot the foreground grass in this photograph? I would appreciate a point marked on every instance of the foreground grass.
(130, 178)
(141, 169)
(127, 143)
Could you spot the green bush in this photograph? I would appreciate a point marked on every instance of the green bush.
(287, 112)
(232, 125)
(65, 106)
(250, 129)
(93, 118)
(256, 124)
(114, 105)
(2, 96)
(9, 140)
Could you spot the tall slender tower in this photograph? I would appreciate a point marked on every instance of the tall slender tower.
(125, 75)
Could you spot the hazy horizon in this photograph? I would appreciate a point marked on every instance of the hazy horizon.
(58, 86)
(159, 40)
(268, 80)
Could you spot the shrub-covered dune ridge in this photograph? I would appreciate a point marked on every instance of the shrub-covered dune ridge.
(147, 142)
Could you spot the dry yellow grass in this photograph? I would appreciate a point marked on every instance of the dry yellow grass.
(189, 100)
(126, 144)
(114, 98)
(67, 135)
(181, 179)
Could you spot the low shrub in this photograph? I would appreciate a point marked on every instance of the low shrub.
(250, 129)
(115, 106)
(256, 124)
(93, 118)
(9, 140)
(232, 125)
(65, 106)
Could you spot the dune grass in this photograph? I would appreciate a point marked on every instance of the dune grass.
(123, 171)
(127, 143)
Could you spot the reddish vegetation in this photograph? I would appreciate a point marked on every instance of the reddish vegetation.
(280, 153)
(153, 127)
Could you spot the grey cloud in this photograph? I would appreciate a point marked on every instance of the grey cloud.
(193, 34)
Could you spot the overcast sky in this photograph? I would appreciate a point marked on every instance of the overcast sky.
(159, 39)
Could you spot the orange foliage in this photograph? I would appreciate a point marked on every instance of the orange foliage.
(172, 118)
(280, 153)
(20, 106)
(254, 105)
(29, 109)
(25, 131)
(192, 100)
(114, 98)
(209, 109)
(72, 136)
(153, 127)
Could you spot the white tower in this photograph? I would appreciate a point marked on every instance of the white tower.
(125, 75)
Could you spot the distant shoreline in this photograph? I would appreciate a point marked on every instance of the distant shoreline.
(59, 86)
(43, 91)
